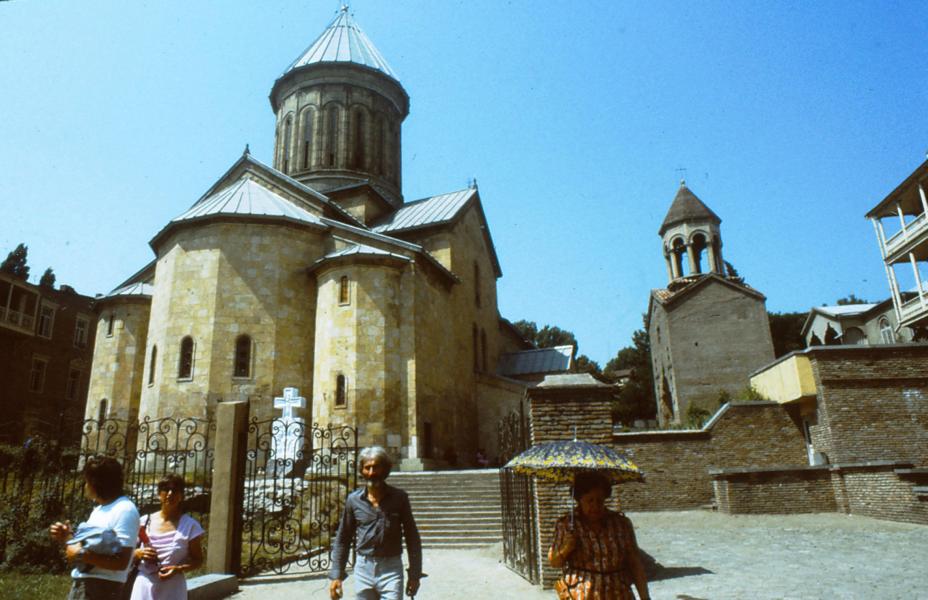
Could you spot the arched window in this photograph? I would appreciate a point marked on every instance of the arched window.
(288, 129)
(110, 324)
(331, 135)
(185, 362)
(698, 246)
(483, 350)
(101, 413)
(886, 331)
(678, 248)
(377, 146)
(341, 390)
(242, 356)
(344, 291)
(476, 348)
(357, 140)
(476, 283)
(151, 365)
(309, 117)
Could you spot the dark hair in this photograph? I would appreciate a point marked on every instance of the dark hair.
(104, 475)
(172, 481)
(584, 482)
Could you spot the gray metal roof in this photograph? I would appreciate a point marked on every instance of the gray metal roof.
(427, 211)
(133, 289)
(844, 310)
(542, 360)
(343, 41)
(247, 197)
(361, 249)
(687, 207)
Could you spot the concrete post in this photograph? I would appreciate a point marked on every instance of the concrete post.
(225, 510)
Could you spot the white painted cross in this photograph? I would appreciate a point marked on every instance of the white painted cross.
(290, 400)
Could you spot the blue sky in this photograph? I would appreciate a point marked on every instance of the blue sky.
(791, 119)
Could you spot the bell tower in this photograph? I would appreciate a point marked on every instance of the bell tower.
(692, 239)
(339, 109)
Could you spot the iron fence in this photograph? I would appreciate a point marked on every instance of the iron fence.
(297, 479)
(520, 523)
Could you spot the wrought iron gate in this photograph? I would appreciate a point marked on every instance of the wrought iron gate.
(520, 530)
(297, 478)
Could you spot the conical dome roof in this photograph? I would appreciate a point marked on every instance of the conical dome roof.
(343, 41)
(687, 207)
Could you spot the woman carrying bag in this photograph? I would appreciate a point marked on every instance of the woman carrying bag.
(174, 546)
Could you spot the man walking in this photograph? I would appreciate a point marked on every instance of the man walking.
(379, 517)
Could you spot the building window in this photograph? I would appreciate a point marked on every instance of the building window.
(37, 374)
(886, 331)
(288, 128)
(344, 296)
(185, 362)
(109, 325)
(243, 356)
(357, 144)
(341, 390)
(476, 284)
(475, 341)
(81, 331)
(46, 321)
(331, 133)
(74, 384)
(483, 350)
(308, 119)
(151, 365)
(101, 412)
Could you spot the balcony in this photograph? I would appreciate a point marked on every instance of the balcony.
(904, 239)
(913, 311)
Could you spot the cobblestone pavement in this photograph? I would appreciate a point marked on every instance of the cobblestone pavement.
(703, 555)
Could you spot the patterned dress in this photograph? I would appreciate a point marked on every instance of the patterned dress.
(598, 568)
(172, 548)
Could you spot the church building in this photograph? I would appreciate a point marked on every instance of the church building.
(708, 329)
(316, 273)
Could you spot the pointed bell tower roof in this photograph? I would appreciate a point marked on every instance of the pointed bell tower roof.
(343, 41)
(687, 207)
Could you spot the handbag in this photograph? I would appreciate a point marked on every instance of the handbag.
(134, 571)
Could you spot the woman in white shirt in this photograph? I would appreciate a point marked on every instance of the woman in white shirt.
(170, 547)
(100, 576)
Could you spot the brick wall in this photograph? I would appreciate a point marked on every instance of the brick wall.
(881, 491)
(774, 490)
(872, 403)
(677, 463)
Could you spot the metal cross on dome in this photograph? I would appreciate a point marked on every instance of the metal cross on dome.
(290, 400)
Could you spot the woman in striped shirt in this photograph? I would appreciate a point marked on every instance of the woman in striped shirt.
(598, 552)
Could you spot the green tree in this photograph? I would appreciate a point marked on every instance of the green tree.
(636, 398)
(585, 364)
(786, 332)
(48, 279)
(852, 299)
(15, 263)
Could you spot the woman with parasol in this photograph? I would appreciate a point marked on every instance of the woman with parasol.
(595, 547)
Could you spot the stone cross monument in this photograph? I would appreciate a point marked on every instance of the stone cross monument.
(287, 432)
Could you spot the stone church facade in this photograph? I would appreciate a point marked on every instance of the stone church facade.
(708, 330)
(315, 273)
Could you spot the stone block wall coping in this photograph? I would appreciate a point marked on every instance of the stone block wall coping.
(213, 586)
(920, 490)
(914, 471)
(725, 473)
(873, 464)
(664, 434)
(915, 348)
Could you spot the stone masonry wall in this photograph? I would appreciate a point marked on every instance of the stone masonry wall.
(880, 491)
(774, 491)
(872, 403)
(119, 359)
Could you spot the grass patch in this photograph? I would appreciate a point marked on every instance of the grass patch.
(22, 586)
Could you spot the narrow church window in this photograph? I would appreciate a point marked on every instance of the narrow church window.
(185, 364)
(340, 390)
(242, 356)
(377, 146)
(886, 331)
(288, 128)
(476, 350)
(343, 291)
(308, 118)
(483, 350)
(331, 131)
(476, 283)
(357, 143)
(109, 325)
(151, 365)
(101, 413)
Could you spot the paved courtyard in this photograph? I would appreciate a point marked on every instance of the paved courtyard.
(704, 555)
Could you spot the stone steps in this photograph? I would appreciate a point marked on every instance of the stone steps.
(454, 509)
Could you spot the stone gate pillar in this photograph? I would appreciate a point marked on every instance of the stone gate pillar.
(228, 486)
